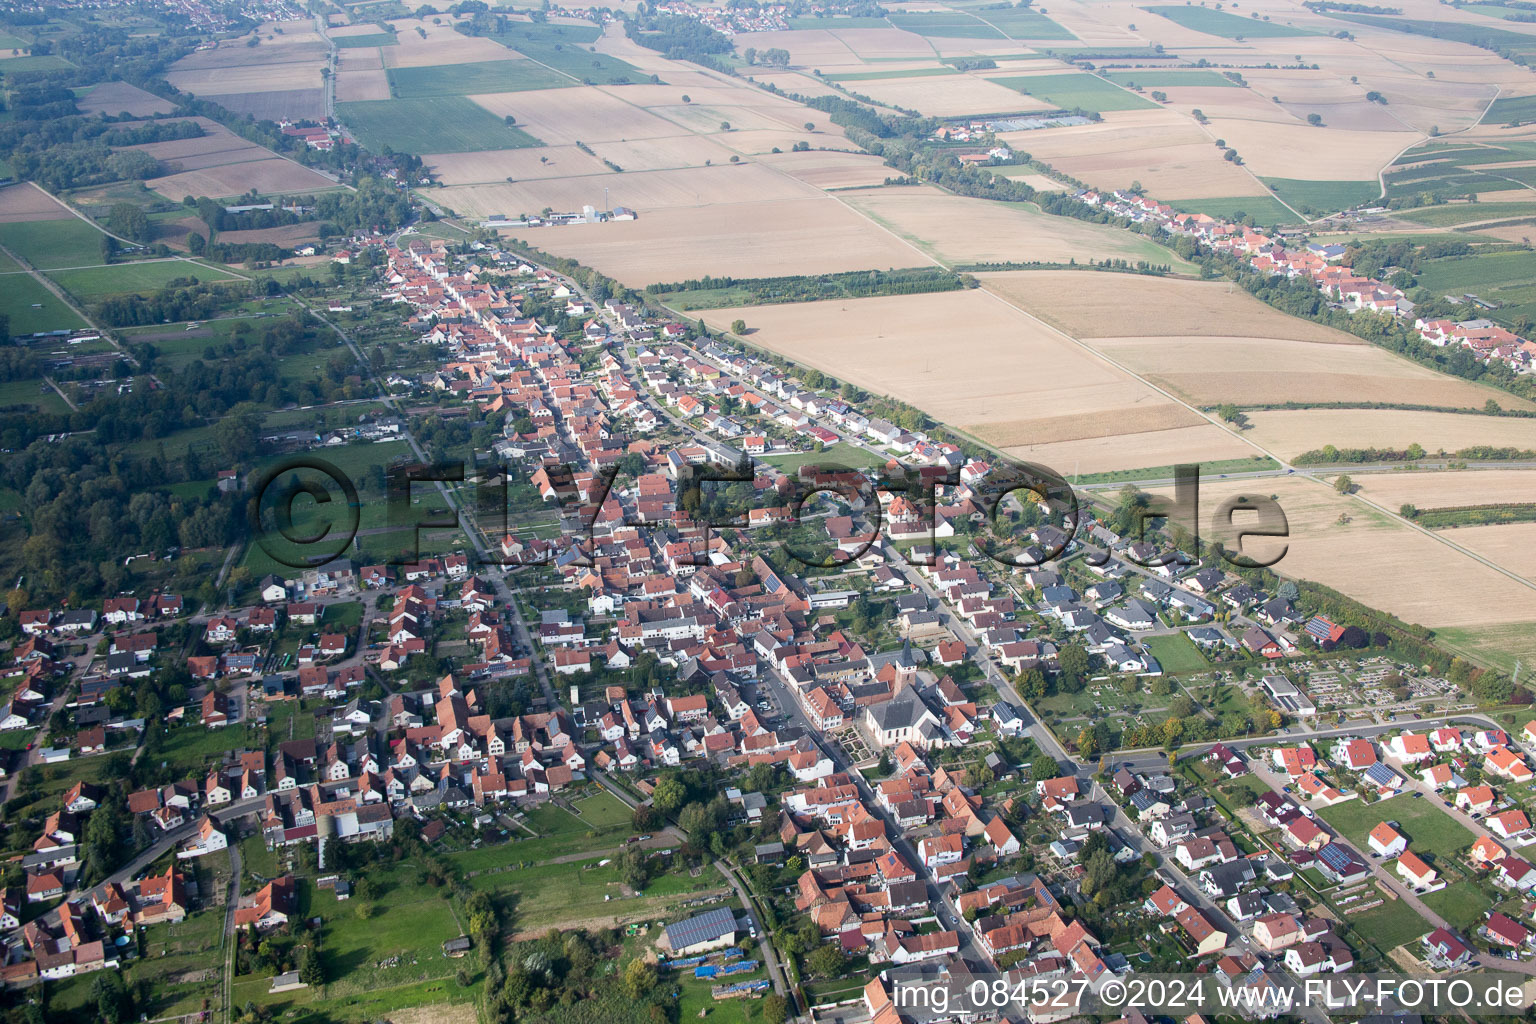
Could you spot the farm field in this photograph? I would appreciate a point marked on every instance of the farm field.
(26, 202)
(1265, 210)
(953, 229)
(1428, 489)
(464, 79)
(1076, 90)
(98, 282)
(1288, 433)
(895, 346)
(1203, 443)
(1220, 23)
(790, 236)
(221, 164)
(1121, 305)
(1512, 545)
(31, 308)
(49, 244)
(438, 124)
(1343, 543)
(1318, 198)
(119, 97)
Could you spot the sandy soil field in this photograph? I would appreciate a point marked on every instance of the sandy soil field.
(1376, 559)
(830, 170)
(645, 191)
(1432, 489)
(948, 95)
(497, 165)
(27, 202)
(271, 175)
(793, 236)
(1257, 371)
(116, 97)
(1017, 379)
(956, 229)
(1119, 305)
(1199, 443)
(441, 46)
(363, 84)
(561, 117)
(1291, 432)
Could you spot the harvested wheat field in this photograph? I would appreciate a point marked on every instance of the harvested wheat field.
(1510, 545)
(1015, 381)
(1375, 558)
(956, 229)
(563, 117)
(1265, 371)
(1106, 305)
(1201, 442)
(1298, 150)
(645, 191)
(442, 45)
(789, 236)
(830, 170)
(360, 85)
(27, 202)
(794, 82)
(265, 176)
(1288, 433)
(250, 78)
(497, 165)
(808, 48)
(1163, 150)
(948, 95)
(663, 154)
(112, 98)
(763, 143)
(1451, 489)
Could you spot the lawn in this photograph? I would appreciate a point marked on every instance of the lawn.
(1227, 26)
(1390, 925)
(436, 124)
(1076, 91)
(49, 244)
(32, 308)
(1430, 831)
(546, 895)
(45, 62)
(1170, 78)
(1317, 198)
(124, 278)
(34, 393)
(1461, 904)
(843, 455)
(1176, 653)
(603, 809)
(472, 79)
(1265, 210)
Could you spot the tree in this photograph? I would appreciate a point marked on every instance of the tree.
(773, 1009)
(1072, 661)
(825, 961)
(1044, 767)
(1343, 484)
(1315, 120)
(738, 327)
(668, 795)
(639, 979)
(311, 970)
(810, 126)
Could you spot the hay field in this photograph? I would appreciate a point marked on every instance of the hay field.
(1376, 559)
(948, 95)
(1203, 442)
(1105, 305)
(118, 97)
(1249, 370)
(967, 359)
(1432, 489)
(27, 202)
(955, 229)
(1288, 433)
(497, 165)
(788, 236)
(442, 45)
(562, 117)
(1166, 152)
(646, 191)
